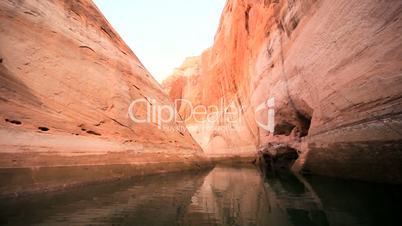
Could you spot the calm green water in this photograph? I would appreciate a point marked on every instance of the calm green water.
(221, 196)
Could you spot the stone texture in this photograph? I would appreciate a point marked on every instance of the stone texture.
(334, 69)
(67, 80)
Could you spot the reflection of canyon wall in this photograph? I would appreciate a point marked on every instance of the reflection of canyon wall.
(67, 80)
(240, 196)
(231, 196)
(127, 202)
(334, 69)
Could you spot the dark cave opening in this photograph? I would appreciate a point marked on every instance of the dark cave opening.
(305, 123)
(44, 129)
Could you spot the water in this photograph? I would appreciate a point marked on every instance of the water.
(221, 196)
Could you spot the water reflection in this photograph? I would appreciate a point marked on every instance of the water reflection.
(223, 196)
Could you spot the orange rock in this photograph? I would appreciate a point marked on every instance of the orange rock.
(333, 68)
(67, 80)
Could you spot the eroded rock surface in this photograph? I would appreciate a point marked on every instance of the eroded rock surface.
(334, 69)
(67, 80)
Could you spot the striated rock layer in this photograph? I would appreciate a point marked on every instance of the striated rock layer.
(67, 80)
(334, 70)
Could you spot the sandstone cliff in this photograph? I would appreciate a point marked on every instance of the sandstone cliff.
(67, 80)
(334, 70)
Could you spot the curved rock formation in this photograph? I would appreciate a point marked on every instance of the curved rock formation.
(67, 80)
(334, 70)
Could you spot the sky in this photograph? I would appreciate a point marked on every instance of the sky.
(162, 33)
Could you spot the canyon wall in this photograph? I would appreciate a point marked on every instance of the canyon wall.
(331, 70)
(67, 81)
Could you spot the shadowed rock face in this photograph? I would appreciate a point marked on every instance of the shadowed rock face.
(66, 82)
(278, 157)
(334, 70)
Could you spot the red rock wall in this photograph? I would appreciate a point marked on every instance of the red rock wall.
(67, 80)
(334, 69)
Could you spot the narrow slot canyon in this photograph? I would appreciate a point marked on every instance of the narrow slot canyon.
(290, 115)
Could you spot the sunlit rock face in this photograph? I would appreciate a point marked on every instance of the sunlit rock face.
(67, 80)
(222, 131)
(183, 85)
(334, 70)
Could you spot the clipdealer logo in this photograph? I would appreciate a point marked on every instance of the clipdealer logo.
(166, 114)
(270, 106)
